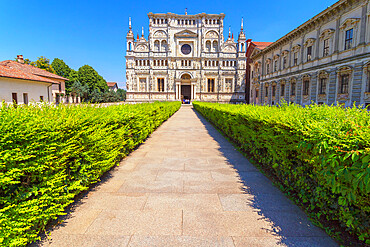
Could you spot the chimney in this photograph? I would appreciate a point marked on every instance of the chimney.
(20, 58)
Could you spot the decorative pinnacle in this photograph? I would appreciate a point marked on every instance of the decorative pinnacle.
(229, 31)
(129, 22)
(142, 31)
(242, 25)
(186, 11)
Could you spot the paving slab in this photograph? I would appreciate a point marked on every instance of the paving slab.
(186, 185)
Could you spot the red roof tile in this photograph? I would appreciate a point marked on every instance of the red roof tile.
(14, 69)
(112, 84)
(262, 45)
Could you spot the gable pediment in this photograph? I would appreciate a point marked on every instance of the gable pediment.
(186, 33)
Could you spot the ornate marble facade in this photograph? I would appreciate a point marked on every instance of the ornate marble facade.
(185, 57)
(326, 60)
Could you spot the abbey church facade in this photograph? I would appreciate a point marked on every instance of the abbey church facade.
(186, 57)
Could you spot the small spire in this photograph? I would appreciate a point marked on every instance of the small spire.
(229, 31)
(232, 36)
(129, 22)
(186, 11)
(142, 31)
(242, 25)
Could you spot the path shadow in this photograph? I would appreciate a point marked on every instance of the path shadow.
(290, 224)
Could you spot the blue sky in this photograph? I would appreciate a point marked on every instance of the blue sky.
(93, 32)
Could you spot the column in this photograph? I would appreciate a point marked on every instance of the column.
(363, 25)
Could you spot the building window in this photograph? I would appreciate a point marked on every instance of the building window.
(268, 68)
(368, 81)
(273, 91)
(228, 85)
(295, 58)
(256, 94)
(326, 48)
(266, 91)
(160, 83)
(282, 89)
(348, 39)
(322, 86)
(25, 98)
(292, 93)
(41, 98)
(309, 53)
(306, 86)
(343, 83)
(211, 85)
(275, 65)
(14, 98)
(142, 84)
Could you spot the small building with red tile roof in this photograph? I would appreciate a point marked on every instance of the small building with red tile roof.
(23, 83)
(113, 86)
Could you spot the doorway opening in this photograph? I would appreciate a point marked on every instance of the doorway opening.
(185, 89)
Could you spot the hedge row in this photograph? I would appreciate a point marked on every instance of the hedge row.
(50, 154)
(320, 155)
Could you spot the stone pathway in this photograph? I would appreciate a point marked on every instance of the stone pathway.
(186, 186)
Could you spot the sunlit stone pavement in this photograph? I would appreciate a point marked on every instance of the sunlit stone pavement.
(186, 186)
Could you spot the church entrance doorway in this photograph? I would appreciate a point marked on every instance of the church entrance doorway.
(185, 88)
(185, 92)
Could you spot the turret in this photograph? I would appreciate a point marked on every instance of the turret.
(241, 39)
(130, 37)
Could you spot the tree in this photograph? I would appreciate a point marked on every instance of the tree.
(61, 68)
(88, 76)
(80, 90)
(43, 63)
(96, 96)
(121, 94)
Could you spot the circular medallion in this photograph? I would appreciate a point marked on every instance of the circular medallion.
(186, 49)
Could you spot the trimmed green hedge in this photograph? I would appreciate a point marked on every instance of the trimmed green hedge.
(50, 154)
(320, 155)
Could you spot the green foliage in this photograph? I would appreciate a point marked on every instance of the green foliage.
(88, 76)
(121, 94)
(43, 63)
(319, 154)
(61, 68)
(50, 154)
(80, 90)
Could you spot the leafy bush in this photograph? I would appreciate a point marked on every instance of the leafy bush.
(50, 154)
(320, 155)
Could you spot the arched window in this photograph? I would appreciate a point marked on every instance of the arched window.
(306, 86)
(215, 46)
(129, 46)
(164, 46)
(156, 45)
(208, 46)
(241, 47)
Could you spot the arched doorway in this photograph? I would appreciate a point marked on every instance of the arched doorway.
(185, 88)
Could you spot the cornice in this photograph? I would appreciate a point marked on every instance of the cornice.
(330, 13)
